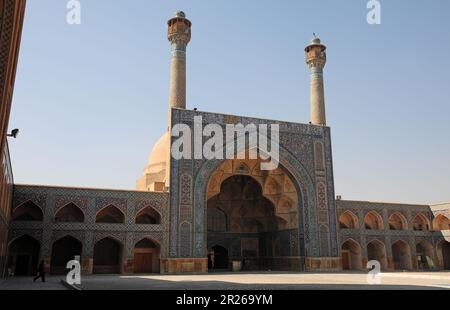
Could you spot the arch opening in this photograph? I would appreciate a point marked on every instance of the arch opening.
(397, 222)
(425, 256)
(107, 256)
(146, 256)
(443, 251)
(24, 256)
(374, 221)
(441, 222)
(70, 213)
(249, 212)
(148, 216)
(348, 220)
(110, 215)
(401, 255)
(218, 258)
(420, 223)
(351, 255)
(28, 211)
(377, 251)
(63, 251)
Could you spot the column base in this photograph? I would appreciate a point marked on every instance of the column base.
(128, 266)
(391, 264)
(184, 265)
(47, 264)
(87, 265)
(365, 260)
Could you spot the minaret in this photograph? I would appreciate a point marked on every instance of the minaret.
(316, 59)
(179, 35)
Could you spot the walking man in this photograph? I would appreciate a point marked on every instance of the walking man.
(41, 272)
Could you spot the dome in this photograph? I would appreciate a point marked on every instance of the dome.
(154, 176)
(180, 14)
(159, 155)
(315, 41)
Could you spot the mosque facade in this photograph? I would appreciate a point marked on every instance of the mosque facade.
(197, 215)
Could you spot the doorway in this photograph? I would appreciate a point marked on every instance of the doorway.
(220, 258)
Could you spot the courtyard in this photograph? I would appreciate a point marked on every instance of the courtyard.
(244, 281)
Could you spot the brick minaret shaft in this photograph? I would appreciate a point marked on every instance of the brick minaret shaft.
(316, 58)
(179, 35)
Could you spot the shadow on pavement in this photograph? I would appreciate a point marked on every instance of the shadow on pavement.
(111, 282)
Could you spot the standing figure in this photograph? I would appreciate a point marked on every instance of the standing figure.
(41, 272)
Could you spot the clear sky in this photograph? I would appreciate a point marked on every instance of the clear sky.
(91, 99)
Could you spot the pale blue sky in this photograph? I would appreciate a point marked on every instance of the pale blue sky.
(91, 100)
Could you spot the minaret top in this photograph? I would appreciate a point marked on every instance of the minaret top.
(179, 28)
(316, 57)
(179, 16)
(315, 42)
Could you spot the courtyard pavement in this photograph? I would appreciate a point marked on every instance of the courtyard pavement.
(243, 281)
(26, 283)
(268, 281)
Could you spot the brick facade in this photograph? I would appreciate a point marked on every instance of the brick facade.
(90, 201)
(11, 21)
(389, 236)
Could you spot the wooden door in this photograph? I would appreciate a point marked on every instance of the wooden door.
(143, 262)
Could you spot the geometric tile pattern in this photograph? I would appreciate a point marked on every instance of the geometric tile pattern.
(305, 153)
(364, 236)
(90, 201)
(296, 156)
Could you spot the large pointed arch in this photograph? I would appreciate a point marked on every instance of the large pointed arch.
(301, 180)
(24, 253)
(27, 211)
(70, 213)
(376, 250)
(441, 222)
(348, 220)
(64, 250)
(351, 255)
(110, 215)
(146, 256)
(148, 215)
(425, 256)
(108, 256)
(401, 255)
(421, 222)
(373, 220)
(256, 206)
(397, 221)
(443, 254)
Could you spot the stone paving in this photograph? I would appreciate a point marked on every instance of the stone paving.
(243, 281)
(26, 283)
(267, 281)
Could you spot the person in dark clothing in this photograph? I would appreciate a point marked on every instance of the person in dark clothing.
(244, 264)
(41, 272)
